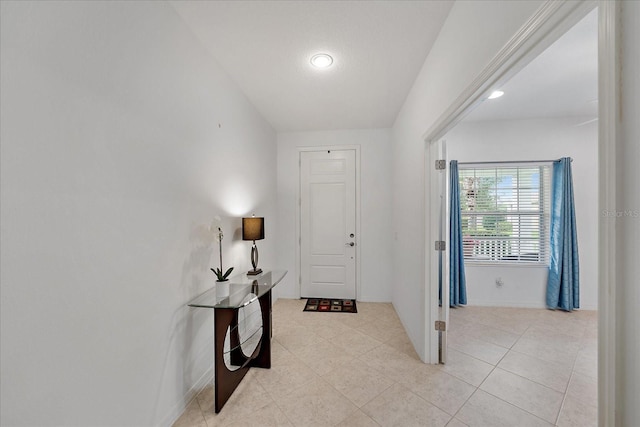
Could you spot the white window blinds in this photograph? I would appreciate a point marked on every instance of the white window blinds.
(505, 212)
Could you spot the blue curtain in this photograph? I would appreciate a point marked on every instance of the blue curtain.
(563, 286)
(457, 282)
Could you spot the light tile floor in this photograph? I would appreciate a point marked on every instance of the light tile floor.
(506, 367)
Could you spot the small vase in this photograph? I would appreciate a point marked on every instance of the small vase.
(222, 288)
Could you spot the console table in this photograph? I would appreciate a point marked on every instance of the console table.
(242, 328)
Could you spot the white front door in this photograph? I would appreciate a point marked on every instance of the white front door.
(328, 224)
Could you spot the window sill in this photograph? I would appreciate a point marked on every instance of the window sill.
(505, 264)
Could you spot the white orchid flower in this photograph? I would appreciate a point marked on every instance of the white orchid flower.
(216, 228)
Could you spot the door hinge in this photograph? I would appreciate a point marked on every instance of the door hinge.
(441, 245)
(299, 241)
(441, 165)
(300, 280)
(441, 325)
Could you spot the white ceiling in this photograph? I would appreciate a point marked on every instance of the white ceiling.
(378, 49)
(561, 82)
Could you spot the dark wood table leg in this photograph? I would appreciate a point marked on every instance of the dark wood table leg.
(263, 358)
(226, 381)
(236, 357)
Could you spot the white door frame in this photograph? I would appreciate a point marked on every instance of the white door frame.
(549, 22)
(356, 148)
(440, 265)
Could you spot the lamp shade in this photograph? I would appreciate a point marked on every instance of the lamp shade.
(253, 228)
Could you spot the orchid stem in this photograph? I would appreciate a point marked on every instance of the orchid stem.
(220, 242)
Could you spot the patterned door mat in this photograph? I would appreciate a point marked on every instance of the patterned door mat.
(331, 305)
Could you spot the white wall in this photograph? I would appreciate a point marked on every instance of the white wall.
(628, 235)
(375, 204)
(121, 140)
(535, 140)
(467, 42)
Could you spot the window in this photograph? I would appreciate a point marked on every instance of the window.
(505, 212)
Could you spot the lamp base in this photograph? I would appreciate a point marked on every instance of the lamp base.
(254, 272)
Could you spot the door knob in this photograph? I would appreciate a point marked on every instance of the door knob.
(350, 244)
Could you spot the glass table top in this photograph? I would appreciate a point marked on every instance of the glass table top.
(238, 291)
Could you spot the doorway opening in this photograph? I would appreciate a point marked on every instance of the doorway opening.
(558, 19)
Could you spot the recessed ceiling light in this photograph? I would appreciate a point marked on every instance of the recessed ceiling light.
(321, 60)
(496, 94)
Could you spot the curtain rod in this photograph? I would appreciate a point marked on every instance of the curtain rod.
(506, 161)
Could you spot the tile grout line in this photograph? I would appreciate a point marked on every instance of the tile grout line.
(566, 392)
(514, 405)
(485, 378)
(488, 375)
(402, 382)
(320, 377)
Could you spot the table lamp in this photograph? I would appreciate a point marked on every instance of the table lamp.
(253, 229)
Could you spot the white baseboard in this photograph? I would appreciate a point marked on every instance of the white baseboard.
(374, 300)
(286, 296)
(364, 299)
(520, 304)
(191, 394)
